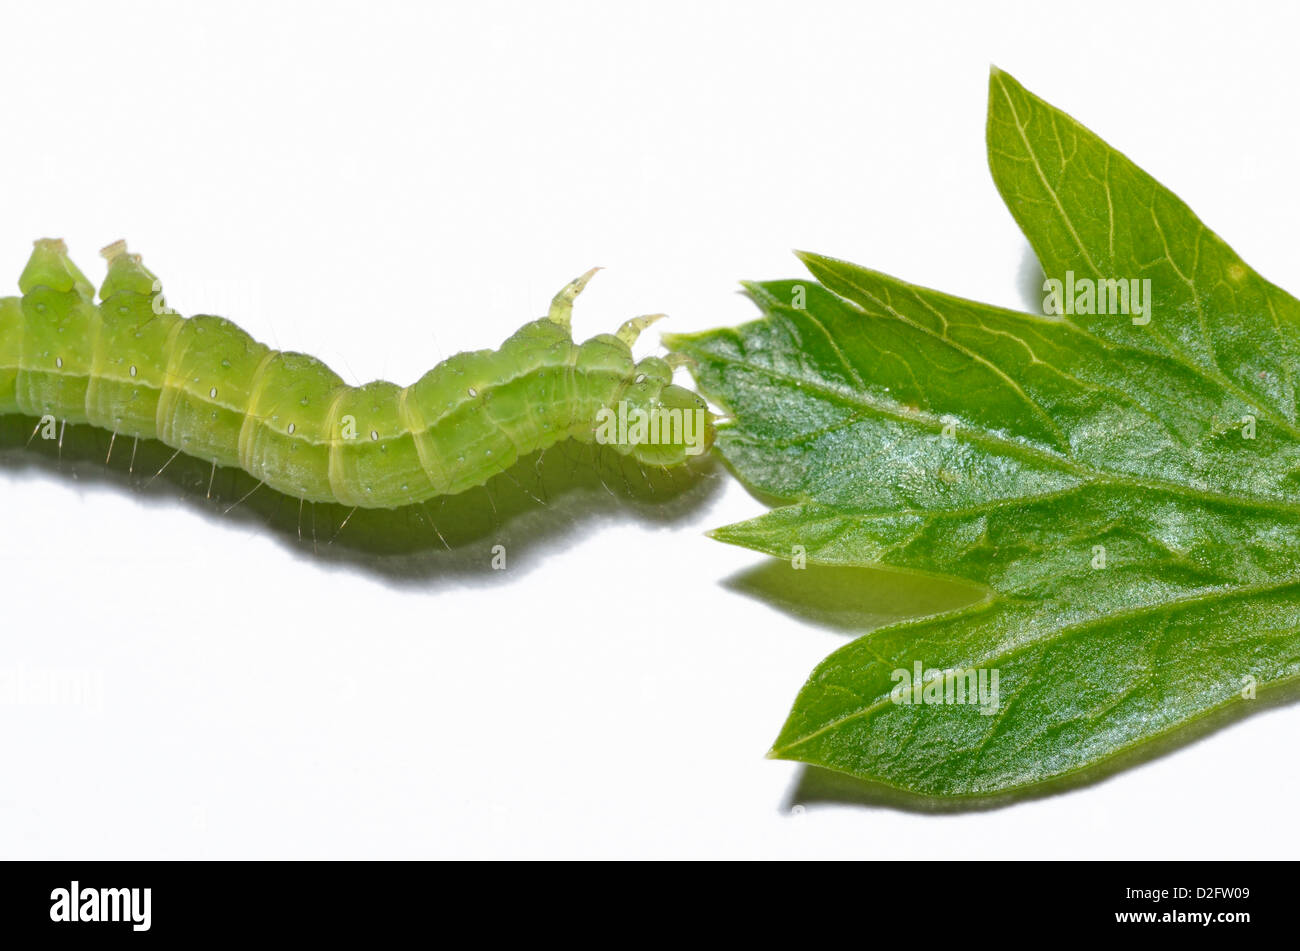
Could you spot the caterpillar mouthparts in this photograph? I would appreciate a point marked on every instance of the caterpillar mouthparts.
(207, 389)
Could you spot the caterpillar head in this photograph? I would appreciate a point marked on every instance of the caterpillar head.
(655, 421)
(692, 438)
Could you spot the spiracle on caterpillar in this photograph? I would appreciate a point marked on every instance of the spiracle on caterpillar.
(205, 388)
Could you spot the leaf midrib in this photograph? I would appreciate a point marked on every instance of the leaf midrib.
(1005, 446)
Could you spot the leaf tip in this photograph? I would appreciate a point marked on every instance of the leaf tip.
(779, 750)
(999, 77)
(728, 535)
(812, 261)
(784, 752)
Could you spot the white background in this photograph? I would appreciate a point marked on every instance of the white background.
(382, 185)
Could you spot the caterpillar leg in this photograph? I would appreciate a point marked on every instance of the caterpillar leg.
(561, 311)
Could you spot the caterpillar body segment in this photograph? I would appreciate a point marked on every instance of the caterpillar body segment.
(206, 388)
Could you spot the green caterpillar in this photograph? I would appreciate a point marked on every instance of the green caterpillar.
(205, 388)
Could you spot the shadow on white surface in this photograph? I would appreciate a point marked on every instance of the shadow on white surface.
(536, 504)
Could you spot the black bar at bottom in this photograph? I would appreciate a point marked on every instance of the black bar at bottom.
(964, 901)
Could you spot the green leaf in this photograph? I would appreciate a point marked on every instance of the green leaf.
(1124, 486)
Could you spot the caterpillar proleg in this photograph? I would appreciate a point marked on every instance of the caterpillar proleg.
(204, 387)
